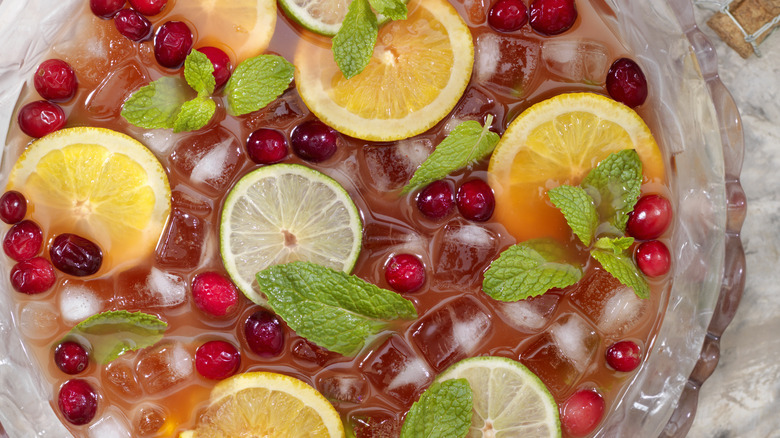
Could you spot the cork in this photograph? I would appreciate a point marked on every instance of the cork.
(751, 15)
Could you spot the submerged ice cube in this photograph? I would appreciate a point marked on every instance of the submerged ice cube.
(343, 387)
(116, 87)
(183, 241)
(142, 288)
(576, 60)
(148, 420)
(612, 306)
(395, 369)
(210, 158)
(507, 63)
(529, 315)
(163, 367)
(474, 105)
(78, 303)
(38, 320)
(464, 251)
(113, 424)
(391, 167)
(119, 378)
(284, 112)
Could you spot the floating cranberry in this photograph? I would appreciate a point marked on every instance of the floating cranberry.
(266, 146)
(552, 17)
(214, 294)
(653, 258)
(436, 200)
(626, 83)
(314, 141)
(148, 7)
(217, 360)
(106, 8)
(172, 44)
(651, 217)
(264, 333)
(405, 273)
(23, 241)
(624, 356)
(476, 201)
(77, 401)
(221, 62)
(133, 25)
(508, 15)
(582, 412)
(71, 357)
(40, 118)
(13, 207)
(33, 276)
(75, 255)
(55, 80)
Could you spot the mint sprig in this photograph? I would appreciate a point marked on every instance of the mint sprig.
(622, 267)
(578, 209)
(194, 114)
(257, 82)
(616, 184)
(334, 310)
(443, 411)
(199, 73)
(156, 106)
(392, 9)
(467, 143)
(354, 43)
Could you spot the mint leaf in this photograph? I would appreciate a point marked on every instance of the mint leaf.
(615, 186)
(199, 73)
(623, 268)
(578, 209)
(256, 82)
(354, 43)
(194, 114)
(443, 411)
(529, 269)
(156, 105)
(468, 142)
(617, 245)
(392, 9)
(334, 310)
(111, 334)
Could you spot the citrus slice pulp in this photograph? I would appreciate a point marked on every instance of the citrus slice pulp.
(284, 213)
(419, 70)
(97, 183)
(508, 399)
(558, 141)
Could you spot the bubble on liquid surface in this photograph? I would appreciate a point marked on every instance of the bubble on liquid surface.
(113, 424)
(38, 320)
(78, 303)
(609, 304)
(505, 64)
(576, 60)
(163, 367)
(529, 315)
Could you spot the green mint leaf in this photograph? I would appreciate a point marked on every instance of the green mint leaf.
(468, 142)
(392, 9)
(443, 411)
(256, 82)
(111, 334)
(334, 310)
(623, 268)
(578, 209)
(156, 105)
(354, 43)
(615, 186)
(194, 114)
(529, 269)
(617, 245)
(199, 73)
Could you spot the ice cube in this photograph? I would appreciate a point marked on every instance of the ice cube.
(107, 99)
(148, 420)
(285, 112)
(576, 60)
(505, 63)
(474, 105)
(170, 289)
(312, 354)
(375, 424)
(187, 199)
(78, 303)
(183, 241)
(529, 315)
(391, 167)
(163, 367)
(464, 251)
(211, 159)
(113, 424)
(452, 331)
(119, 378)
(395, 369)
(159, 141)
(609, 304)
(344, 388)
(476, 10)
(38, 320)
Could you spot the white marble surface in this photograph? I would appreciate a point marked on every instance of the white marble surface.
(742, 397)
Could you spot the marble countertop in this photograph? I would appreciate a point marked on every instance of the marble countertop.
(742, 397)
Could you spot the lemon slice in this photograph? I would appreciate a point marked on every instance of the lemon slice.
(508, 399)
(284, 213)
(262, 404)
(320, 16)
(418, 72)
(99, 184)
(558, 141)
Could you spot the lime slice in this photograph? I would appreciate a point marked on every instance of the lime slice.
(509, 400)
(285, 213)
(321, 16)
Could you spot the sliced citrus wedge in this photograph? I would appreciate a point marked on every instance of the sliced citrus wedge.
(558, 141)
(320, 16)
(508, 399)
(99, 184)
(418, 72)
(284, 213)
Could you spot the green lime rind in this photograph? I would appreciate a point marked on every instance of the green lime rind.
(296, 11)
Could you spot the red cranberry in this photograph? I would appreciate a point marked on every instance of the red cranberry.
(552, 17)
(651, 217)
(221, 62)
(264, 333)
(476, 201)
(13, 207)
(40, 118)
(314, 141)
(214, 294)
(405, 273)
(624, 356)
(77, 401)
(435, 200)
(148, 7)
(508, 15)
(266, 146)
(582, 412)
(626, 83)
(653, 258)
(23, 241)
(106, 8)
(75, 255)
(33, 276)
(217, 360)
(133, 25)
(172, 44)
(71, 357)
(55, 80)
